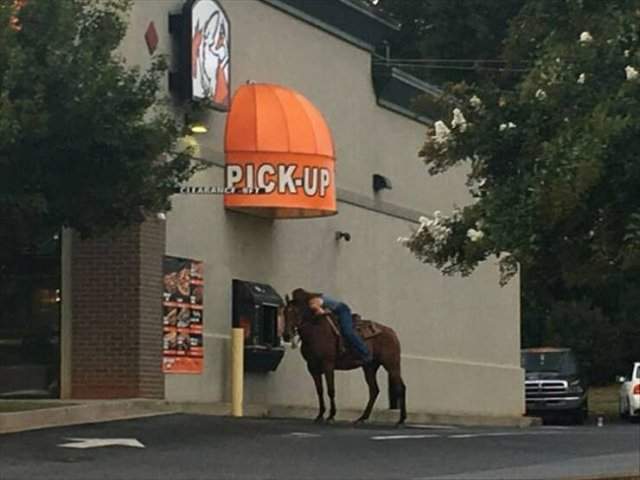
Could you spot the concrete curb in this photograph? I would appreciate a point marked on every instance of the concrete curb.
(391, 417)
(109, 410)
(625, 476)
(220, 409)
(80, 413)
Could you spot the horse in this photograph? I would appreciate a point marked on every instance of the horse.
(321, 351)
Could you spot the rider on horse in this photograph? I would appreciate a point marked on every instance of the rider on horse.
(321, 304)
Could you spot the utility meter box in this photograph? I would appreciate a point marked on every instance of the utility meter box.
(255, 310)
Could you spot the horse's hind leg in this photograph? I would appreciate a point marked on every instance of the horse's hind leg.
(370, 372)
(403, 402)
(317, 379)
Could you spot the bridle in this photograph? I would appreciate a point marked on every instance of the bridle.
(301, 318)
(293, 319)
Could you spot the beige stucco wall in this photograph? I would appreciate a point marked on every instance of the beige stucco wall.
(460, 337)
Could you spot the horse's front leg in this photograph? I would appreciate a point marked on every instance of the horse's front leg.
(331, 390)
(317, 379)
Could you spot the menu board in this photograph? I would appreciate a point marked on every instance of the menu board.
(182, 320)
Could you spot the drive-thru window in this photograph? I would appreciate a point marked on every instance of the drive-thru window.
(255, 310)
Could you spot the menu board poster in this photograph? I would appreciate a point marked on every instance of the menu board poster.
(183, 315)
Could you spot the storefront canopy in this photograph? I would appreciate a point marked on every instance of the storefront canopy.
(278, 143)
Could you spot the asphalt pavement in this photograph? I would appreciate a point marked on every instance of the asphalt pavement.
(190, 447)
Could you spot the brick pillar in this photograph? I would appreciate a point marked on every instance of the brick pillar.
(116, 339)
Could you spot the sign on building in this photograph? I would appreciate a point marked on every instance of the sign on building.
(182, 305)
(278, 144)
(210, 53)
(204, 40)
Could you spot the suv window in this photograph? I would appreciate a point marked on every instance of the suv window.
(560, 362)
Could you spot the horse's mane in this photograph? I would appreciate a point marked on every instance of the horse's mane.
(306, 314)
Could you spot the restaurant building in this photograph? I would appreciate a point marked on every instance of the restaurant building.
(305, 116)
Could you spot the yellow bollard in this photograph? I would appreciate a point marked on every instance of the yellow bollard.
(237, 371)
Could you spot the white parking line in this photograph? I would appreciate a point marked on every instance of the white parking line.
(491, 434)
(420, 436)
(402, 437)
(500, 434)
(434, 427)
(461, 435)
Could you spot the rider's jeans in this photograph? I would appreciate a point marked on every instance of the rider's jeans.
(343, 313)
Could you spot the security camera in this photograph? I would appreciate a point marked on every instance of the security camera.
(380, 182)
(345, 235)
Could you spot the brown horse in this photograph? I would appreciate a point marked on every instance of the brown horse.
(321, 350)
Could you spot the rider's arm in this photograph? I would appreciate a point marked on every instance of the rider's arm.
(315, 304)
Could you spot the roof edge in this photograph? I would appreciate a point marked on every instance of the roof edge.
(348, 20)
(396, 90)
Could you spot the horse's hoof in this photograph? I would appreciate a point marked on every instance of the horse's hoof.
(359, 421)
(400, 424)
(330, 420)
(318, 420)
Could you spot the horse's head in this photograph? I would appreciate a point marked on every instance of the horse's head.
(292, 318)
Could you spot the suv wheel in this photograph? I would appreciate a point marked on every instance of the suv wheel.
(578, 416)
(624, 413)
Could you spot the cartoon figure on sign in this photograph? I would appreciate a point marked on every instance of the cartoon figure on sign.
(210, 53)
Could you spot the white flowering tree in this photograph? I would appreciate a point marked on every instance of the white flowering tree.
(553, 151)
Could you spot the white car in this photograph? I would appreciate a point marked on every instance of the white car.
(629, 400)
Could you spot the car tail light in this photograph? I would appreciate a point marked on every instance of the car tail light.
(636, 389)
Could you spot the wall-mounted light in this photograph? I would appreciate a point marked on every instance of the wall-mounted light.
(198, 128)
(345, 235)
(194, 125)
(380, 182)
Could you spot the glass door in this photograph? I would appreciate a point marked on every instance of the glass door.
(30, 323)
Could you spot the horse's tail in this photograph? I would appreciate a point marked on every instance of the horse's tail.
(397, 388)
(393, 393)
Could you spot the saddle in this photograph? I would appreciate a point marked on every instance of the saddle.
(366, 329)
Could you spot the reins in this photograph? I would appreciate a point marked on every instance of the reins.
(306, 317)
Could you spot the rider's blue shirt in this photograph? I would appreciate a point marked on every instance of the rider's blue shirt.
(330, 303)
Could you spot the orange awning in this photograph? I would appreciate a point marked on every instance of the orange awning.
(277, 140)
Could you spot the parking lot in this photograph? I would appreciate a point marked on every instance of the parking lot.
(193, 447)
